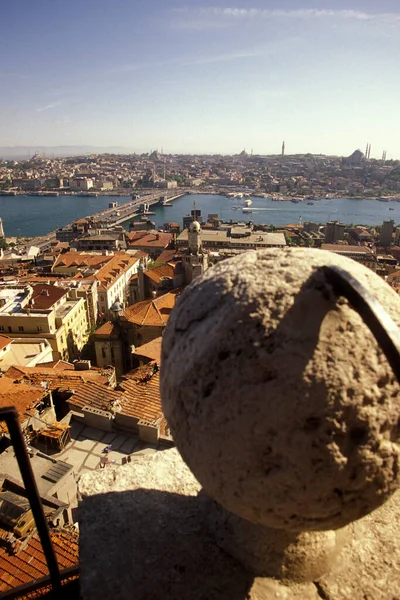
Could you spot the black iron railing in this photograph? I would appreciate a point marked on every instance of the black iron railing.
(55, 579)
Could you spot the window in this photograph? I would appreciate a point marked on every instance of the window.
(39, 328)
(20, 328)
(103, 353)
(1, 328)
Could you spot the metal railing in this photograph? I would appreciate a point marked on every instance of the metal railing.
(55, 579)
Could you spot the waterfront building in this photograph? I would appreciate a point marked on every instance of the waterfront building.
(334, 232)
(249, 240)
(101, 240)
(386, 234)
(81, 184)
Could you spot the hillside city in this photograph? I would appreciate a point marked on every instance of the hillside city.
(83, 310)
(285, 175)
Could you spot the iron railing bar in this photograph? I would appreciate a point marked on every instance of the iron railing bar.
(37, 584)
(380, 323)
(10, 415)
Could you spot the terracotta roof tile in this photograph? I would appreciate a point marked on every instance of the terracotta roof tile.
(45, 296)
(150, 350)
(55, 378)
(81, 260)
(107, 329)
(154, 312)
(22, 396)
(148, 239)
(157, 273)
(95, 395)
(141, 395)
(4, 341)
(119, 264)
(30, 563)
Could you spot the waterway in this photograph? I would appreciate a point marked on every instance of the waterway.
(34, 216)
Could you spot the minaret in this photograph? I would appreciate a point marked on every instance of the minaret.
(283, 148)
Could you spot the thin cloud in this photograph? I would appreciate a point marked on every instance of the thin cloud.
(48, 106)
(206, 60)
(213, 17)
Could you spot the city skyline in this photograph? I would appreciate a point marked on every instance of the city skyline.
(203, 78)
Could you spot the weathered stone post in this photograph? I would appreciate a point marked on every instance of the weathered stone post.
(283, 406)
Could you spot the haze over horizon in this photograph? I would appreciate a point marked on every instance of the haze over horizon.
(202, 77)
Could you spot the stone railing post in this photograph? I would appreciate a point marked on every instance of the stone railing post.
(284, 407)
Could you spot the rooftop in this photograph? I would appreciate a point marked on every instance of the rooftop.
(30, 563)
(95, 395)
(153, 312)
(150, 350)
(23, 351)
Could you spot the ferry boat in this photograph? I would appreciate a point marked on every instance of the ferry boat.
(248, 202)
(295, 200)
(247, 210)
(8, 193)
(310, 203)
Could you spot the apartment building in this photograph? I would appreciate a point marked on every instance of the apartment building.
(45, 311)
(114, 281)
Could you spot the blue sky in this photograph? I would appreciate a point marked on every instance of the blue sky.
(202, 76)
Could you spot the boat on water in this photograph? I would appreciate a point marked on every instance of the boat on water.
(310, 203)
(248, 202)
(383, 199)
(165, 203)
(247, 210)
(88, 194)
(295, 200)
(391, 208)
(8, 193)
(236, 207)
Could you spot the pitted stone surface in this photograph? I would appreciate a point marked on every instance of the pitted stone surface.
(266, 552)
(277, 394)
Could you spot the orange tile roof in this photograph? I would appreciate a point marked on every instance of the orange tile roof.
(157, 273)
(118, 265)
(59, 365)
(148, 239)
(151, 350)
(107, 329)
(81, 260)
(169, 256)
(55, 378)
(4, 341)
(45, 296)
(95, 395)
(22, 396)
(30, 563)
(141, 395)
(154, 312)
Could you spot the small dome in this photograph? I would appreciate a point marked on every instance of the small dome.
(116, 307)
(195, 226)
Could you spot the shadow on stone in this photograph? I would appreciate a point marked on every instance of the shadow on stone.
(148, 544)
